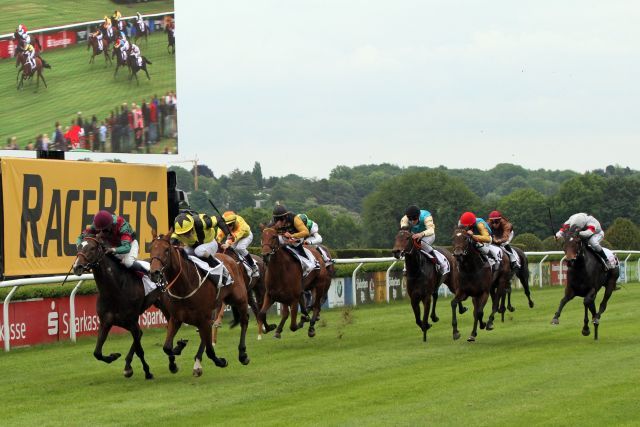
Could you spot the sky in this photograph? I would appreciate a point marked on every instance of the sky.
(303, 86)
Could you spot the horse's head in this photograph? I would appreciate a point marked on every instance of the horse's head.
(461, 242)
(572, 244)
(90, 253)
(160, 251)
(404, 243)
(270, 243)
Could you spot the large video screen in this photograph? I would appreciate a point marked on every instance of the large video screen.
(95, 76)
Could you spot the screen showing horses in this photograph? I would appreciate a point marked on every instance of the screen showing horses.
(96, 75)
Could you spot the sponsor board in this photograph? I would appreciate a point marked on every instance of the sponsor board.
(335, 297)
(397, 289)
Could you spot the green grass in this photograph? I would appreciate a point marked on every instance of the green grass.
(47, 13)
(366, 366)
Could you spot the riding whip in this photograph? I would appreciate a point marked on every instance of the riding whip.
(553, 232)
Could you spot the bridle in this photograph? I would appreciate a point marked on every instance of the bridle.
(101, 254)
(274, 237)
(415, 243)
(164, 265)
(576, 240)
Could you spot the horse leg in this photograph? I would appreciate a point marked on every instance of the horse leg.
(146, 72)
(197, 361)
(317, 304)
(476, 309)
(426, 302)
(415, 305)
(457, 299)
(103, 331)
(589, 304)
(204, 329)
(244, 324)
(262, 317)
(42, 77)
(568, 296)
(136, 332)
(523, 275)
(284, 315)
(434, 318)
(509, 306)
(611, 285)
(172, 330)
(495, 301)
(585, 326)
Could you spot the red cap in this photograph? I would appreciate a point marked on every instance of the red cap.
(102, 220)
(495, 215)
(468, 219)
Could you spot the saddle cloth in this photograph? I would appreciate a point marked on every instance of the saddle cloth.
(149, 285)
(514, 253)
(224, 278)
(308, 263)
(442, 260)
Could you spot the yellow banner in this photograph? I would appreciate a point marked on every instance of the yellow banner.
(47, 203)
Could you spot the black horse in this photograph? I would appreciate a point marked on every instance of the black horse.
(422, 283)
(134, 66)
(585, 276)
(522, 273)
(121, 300)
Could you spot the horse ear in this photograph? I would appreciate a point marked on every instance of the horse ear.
(154, 233)
(262, 226)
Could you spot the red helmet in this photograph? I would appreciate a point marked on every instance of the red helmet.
(468, 219)
(102, 220)
(495, 215)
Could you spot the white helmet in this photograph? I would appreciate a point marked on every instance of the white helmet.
(138, 15)
(578, 220)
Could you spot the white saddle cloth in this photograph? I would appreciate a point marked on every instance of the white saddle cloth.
(220, 270)
(308, 263)
(613, 259)
(442, 260)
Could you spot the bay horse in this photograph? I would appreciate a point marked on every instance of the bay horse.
(422, 278)
(522, 273)
(142, 30)
(171, 38)
(135, 67)
(585, 276)
(120, 62)
(92, 42)
(191, 298)
(285, 284)
(120, 302)
(28, 71)
(476, 279)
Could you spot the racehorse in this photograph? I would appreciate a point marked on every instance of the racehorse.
(120, 62)
(422, 278)
(28, 71)
(255, 286)
(476, 279)
(585, 277)
(92, 42)
(121, 300)
(284, 283)
(522, 273)
(142, 30)
(192, 299)
(135, 67)
(170, 28)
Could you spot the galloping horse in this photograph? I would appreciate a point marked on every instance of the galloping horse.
(119, 61)
(522, 273)
(135, 67)
(476, 279)
(284, 283)
(192, 299)
(92, 42)
(171, 38)
(142, 30)
(585, 277)
(121, 300)
(28, 71)
(422, 278)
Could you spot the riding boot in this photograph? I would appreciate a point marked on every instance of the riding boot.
(255, 272)
(607, 264)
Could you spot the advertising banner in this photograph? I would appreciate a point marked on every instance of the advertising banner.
(48, 203)
(397, 287)
(335, 297)
(58, 39)
(556, 274)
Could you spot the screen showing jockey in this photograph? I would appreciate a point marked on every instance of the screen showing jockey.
(420, 223)
(480, 232)
(239, 238)
(120, 236)
(314, 238)
(589, 231)
(197, 232)
(502, 231)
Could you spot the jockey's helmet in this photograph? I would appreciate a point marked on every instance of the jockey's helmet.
(279, 211)
(20, 29)
(117, 14)
(412, 212)
(183, 223)
(495, 215)
(138, 15)
(468, 219)
(118, 43)
(229, 217)
(102, 220)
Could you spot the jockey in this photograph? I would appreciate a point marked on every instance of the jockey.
(107, 27)
(197, 233)
(120, 236)
(24, 35)
(30, 56)
(139, 22)
(123, 45)
(314, 238)
(295, 231)
(98, 35)
(503, 235)
(420, 223)
(135, 52)
(240, 238)
(590, 231)
(480, 232)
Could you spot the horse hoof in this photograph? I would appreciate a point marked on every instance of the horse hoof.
(304, 318)
(435, 319)
(113, 356)
(555, 321)
(471, 339)
(217, 324)
(221, 362)
(277, 335)
(463, 310)
(244, 359)
(270, 328)
(489, 327)
(530, 304)
(311, 333)
(259, 337)
(586, 332)
(456, 335)
(128, 373)
(511, 309)
(148, 376)
(197, 372)
(173, 369)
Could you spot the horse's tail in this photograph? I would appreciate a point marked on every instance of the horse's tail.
(146, 60)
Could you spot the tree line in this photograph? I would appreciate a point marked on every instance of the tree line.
(361, 206)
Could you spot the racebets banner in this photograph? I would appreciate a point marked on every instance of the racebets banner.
(47, 203)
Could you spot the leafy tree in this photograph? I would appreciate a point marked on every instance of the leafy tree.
(255, 217)
(529, 242)
(623, 234)
(527, 211)
(198, 201)
(551, 244)
(183, 177)
(583, 193)
(241, 187)
(257, 175)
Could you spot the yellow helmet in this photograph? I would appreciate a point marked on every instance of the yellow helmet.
(117, 14)
(183, 223)
(229, 217)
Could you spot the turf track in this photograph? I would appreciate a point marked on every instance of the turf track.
(366, 366)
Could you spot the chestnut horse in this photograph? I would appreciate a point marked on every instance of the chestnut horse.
(585, 276)
(191, 297)
(120, 302)
(285, 284)
(28, 71)
(92, 42)
(476, 279)
(422, 278)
